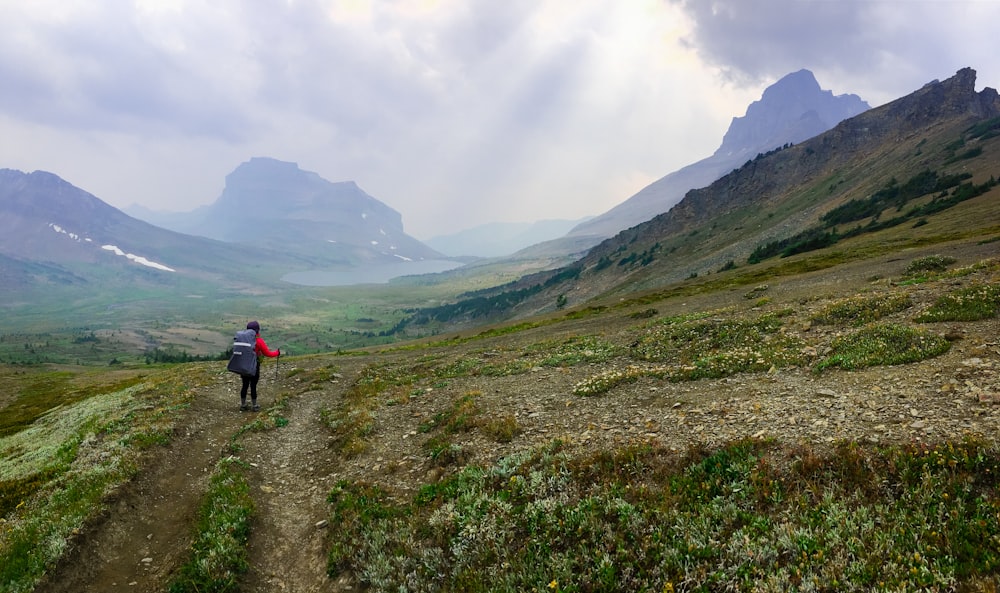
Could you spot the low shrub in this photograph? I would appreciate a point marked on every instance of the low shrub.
(747, 516)
(883, 344)
(967, 304)
(863, 309)
(934, 264)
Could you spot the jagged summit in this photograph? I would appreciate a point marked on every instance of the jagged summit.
(920, 170)
(871, 149)
(791, 110)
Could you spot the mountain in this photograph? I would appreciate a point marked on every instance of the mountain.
(54, 233)
(921, 170)
(500, 238)
(275, 204)
(791, 110)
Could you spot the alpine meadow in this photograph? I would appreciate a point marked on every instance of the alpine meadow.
(787, 380)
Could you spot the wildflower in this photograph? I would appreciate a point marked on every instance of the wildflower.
(554, 585)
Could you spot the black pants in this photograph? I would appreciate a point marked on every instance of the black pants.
(251, 382)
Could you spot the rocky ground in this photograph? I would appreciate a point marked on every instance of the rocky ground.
(142, 537)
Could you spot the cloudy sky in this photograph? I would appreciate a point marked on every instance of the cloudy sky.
(453, 112)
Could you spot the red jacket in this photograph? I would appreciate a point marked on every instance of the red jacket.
(261, 348)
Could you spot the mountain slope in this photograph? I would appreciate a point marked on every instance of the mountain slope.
(791, 110)
(944, 131)
(786, 192)
(52, 232)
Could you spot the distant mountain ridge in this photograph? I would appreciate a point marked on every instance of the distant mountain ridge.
(277, 205)
(941, 143)
(785, 192)
(54, 232)
(790, 111)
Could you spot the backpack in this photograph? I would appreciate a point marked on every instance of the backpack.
(244, 358)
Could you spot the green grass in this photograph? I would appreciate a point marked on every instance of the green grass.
(696, 347)
(352, 422)
(462, 416)
(571, 351)
(607, 380)
(55, 471)
(749, 516)
(219, 553)
(106, 324)
(563, 352)
(42, 390)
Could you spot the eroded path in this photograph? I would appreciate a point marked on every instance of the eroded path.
(292, 474)
(145, 531)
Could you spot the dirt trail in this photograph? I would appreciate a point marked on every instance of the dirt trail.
(145, 532)
(291, 479)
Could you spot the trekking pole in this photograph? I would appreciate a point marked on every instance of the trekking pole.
(276, 361)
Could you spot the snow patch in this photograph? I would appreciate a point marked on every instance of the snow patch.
(402, 257)
(60, 230)
(137, 259)
(374, 242)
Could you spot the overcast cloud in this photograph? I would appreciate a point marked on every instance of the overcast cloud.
(453, 112)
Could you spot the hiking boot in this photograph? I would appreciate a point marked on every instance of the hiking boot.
(256, 408)
(244, 407)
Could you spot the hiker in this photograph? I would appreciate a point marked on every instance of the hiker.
(260, 348)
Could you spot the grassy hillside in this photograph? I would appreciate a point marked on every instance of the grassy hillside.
(904, 182)
(788, 382)
(830, 429)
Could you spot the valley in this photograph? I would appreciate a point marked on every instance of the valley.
(410, 424)
(788, 380)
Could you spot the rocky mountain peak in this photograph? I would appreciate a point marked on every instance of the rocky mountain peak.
(956, 94)
(791, 110)
(288, 208)
(267, 189)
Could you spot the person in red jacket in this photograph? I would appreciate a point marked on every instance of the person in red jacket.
(251, 381)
